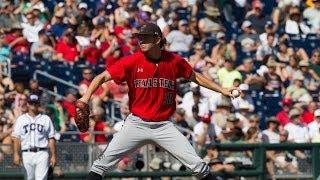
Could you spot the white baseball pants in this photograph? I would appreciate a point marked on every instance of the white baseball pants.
(36, 164)
(136, 133)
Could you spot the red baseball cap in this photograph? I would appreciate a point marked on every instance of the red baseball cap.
(287, 102)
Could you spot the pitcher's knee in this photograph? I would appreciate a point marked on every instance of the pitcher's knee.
(201, 170)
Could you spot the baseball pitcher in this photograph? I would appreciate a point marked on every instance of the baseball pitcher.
(151, 75)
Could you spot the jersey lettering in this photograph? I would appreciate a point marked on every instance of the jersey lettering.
(154, 82)
(32, 127)
(168, 100)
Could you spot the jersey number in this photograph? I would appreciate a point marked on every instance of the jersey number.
(168, 99)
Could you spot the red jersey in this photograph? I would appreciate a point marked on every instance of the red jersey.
(92, 55)
(22, 47)
(283, 117)
(98, 138)
(307, 117)
(99, 127)
(152, 87)
(68, 51)
(71, 109)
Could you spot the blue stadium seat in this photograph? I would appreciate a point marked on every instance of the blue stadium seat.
(63, 72)
(99, 69)
(21, 73)
(50, 4)
(232, 30)
(271, 105)
(36, 65)
(269, 5)
(19, 59)
(313, 37)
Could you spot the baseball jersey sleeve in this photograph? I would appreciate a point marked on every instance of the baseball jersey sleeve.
(184, 70)
(17, 128)
(50, 128)
(119, 70)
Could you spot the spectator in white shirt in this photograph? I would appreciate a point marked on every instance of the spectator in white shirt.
(192, 98)
(221, 113)
(312, 14)
(243, 115)
(213, 97)
(243, 98)
(284, 161)
(269, 28)
(249, 39)
(298, 132)
(266, 49)
(31, 28)
(180, 40)
(314, 126)
(206, 132)
(295, 25)
(271, 134)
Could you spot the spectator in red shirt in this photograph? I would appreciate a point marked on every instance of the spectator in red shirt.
(98, 126)
(109, 46)
(130, 47)
(98, 117)
(308, 114)
(114, 57)
(283, 115)
(91, 53)
(68, 103)
(67, 48)
(99, 95)
(123, 31)
(16, 41)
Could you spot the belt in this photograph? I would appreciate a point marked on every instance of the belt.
(34, 149)
(149, 120)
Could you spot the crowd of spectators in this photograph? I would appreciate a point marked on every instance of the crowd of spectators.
(267, 48)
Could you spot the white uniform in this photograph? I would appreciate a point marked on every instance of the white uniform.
(34, 133)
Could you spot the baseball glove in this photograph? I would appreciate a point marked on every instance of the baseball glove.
(82, 116)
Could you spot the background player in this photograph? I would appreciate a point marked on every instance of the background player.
(151, 75)
(33, 133)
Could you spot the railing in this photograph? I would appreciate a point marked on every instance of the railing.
(52, 93)
(76, 159)
(54, 78)
(45, 74)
